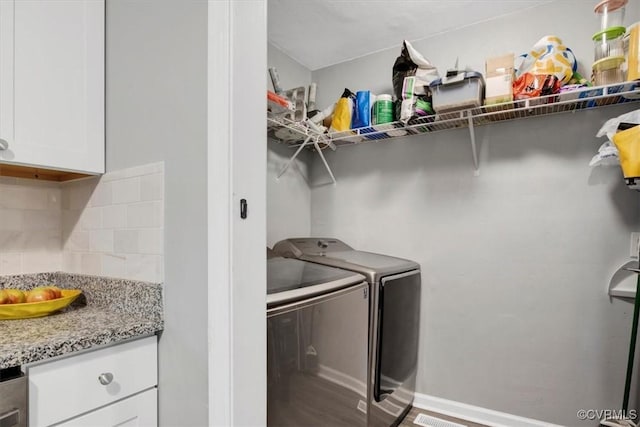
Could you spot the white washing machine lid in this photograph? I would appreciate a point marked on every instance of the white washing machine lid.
(291, 280)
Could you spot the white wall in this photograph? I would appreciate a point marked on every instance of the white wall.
(156, 110)
(516, 262)
(288, 197)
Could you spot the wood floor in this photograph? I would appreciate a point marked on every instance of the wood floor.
(295, 402)
(408, 420)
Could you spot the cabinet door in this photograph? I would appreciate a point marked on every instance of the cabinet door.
(67, 387)
(52, 83)
(137, 411)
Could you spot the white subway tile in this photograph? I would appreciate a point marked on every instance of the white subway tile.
(23, 197)
(145, 214)
(144, 267)
(38, 220)
(7, 180)
(70, 222)
(125, 190)
(91, 219)
(160, 270)
(11, 219)
(78, 241)
(147, 169)
(101, 241)
(54, 199)
(102, 195)
(26, 182)
(152, 187)
(111, 225)
(114, 265)
(77, 195)
(38, 241)
(52, 240)
(72, 262)
(10, 263)
(114, 216)
(91, 264)
(126, 241)
(41, 262)
(151, 241)
(12, 240)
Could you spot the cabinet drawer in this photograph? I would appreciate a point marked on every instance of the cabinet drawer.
(140, 410)
(68, 387)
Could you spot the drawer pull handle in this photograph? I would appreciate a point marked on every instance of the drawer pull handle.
(10, 419)
(4, 145)
(106, 378)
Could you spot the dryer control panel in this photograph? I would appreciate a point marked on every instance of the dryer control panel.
(309, 246)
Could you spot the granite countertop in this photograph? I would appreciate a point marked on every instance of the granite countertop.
(107, 312)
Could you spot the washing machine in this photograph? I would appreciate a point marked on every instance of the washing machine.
(394, 320)
(317, 324)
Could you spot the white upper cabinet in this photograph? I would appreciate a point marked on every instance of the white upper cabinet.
(52, 84)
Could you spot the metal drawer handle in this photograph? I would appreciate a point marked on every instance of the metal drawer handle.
(4, 145)
(10, 419)
(106, 378)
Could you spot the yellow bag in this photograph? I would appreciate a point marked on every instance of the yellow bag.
(341, 120)
(628, 144)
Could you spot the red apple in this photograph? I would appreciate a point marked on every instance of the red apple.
(57, 293)
(4, 297)
(16, 296)
(39, 294)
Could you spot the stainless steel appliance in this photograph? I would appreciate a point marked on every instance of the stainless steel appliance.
(317, 322)
(13, 398)
(394, 320)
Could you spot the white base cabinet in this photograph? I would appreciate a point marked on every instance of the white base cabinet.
(115, 385)
(135, 411)
(52, 84)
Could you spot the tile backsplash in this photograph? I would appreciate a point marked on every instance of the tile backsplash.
(111, 225)
(115, 226)
(30, 226)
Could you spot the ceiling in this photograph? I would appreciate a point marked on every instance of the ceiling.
(320, 33)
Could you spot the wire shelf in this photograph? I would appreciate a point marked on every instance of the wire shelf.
(296, 133)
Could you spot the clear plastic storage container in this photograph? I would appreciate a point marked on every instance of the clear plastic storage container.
(460, 92)
(611, 13)
(609, 42)
(608, 71)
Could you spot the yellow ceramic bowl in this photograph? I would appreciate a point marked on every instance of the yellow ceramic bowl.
(38, 309)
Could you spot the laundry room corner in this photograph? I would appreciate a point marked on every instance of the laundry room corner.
(288, 192)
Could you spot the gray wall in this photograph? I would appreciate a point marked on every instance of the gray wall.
(156, 110)
(571, 20)
(516, 262)
(288, 197)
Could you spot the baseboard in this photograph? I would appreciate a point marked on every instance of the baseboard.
(342, 379)
(475, 414)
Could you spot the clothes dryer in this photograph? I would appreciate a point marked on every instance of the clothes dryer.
(394, 319)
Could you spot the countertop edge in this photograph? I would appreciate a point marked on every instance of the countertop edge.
(53, 350)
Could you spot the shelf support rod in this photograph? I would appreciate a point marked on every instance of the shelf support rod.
(326, 165)
(472, 135)
(304, 144)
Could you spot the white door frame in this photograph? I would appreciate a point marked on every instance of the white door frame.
(237, 50)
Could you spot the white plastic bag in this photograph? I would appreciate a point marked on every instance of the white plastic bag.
(611, 126)
(607, 156)
(608, 153)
